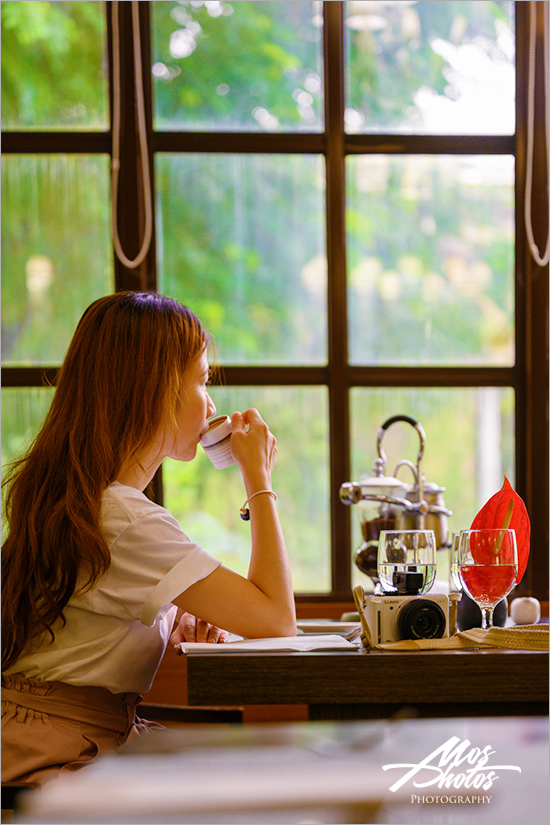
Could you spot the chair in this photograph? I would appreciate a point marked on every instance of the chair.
(10, 795)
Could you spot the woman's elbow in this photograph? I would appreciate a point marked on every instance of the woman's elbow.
(288, 627)
(279, 623)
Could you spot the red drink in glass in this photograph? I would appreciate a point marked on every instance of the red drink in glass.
(487, 584)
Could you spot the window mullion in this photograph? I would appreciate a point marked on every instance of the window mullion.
(532, 446)
(131, 209)
(130, 212)
(337, 298)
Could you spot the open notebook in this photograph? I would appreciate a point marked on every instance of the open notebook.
(305, 642)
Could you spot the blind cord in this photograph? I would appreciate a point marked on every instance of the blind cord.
(539, 260)
(142, 131)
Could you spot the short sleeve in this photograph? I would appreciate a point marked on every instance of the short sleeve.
(194, 567)
(152, 559)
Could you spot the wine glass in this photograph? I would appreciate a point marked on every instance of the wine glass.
(406, 561)
(454, 578)
(488, 566)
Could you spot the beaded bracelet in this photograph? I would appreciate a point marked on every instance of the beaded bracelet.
(245, 513)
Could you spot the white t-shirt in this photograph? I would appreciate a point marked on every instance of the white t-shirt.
(116, 633)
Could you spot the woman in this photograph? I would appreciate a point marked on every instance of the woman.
(93, 572)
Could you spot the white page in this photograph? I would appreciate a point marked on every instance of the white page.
(285, 643)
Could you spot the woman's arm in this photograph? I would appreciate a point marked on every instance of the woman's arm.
(263, 603)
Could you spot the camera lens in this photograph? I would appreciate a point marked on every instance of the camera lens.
(421, 619)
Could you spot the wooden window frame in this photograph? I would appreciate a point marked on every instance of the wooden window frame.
(529, 375)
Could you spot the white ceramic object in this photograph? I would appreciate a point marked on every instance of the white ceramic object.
(525, 610)
(217, 442)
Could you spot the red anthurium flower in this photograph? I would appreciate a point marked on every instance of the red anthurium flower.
(506, 506)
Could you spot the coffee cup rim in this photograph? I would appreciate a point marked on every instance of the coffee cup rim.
(219, 428)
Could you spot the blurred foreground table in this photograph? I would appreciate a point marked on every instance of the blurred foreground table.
(376, 684)
(464, 771)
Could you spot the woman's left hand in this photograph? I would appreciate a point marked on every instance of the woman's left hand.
(192, 629)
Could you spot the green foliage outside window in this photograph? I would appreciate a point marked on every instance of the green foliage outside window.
(237, 66)
(54, 69)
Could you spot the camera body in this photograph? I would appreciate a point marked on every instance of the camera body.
(392, 618)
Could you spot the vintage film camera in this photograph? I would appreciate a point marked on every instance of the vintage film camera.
(407, 615)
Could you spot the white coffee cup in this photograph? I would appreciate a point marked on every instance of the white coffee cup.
(217, 441)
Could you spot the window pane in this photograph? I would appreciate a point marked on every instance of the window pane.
(54, 66)
(206, 501)
(432, 67)
(56, 255)
(469, 445)
(241, 240)
(238, 66)
(431, 259)
(23, 411)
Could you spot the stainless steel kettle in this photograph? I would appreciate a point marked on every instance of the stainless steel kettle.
(436, 515)
(388, 503)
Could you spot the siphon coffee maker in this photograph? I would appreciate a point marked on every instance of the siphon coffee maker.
(389, 503)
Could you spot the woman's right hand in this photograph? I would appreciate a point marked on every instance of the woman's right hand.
(254, 449)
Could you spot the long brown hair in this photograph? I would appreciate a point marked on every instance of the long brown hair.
(121, 376)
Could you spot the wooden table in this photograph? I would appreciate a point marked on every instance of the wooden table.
(376, 684)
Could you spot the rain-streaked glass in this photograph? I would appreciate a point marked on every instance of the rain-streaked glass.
(430, 67)
(23, 412)
(469, 445)
(431, 259)
(244, 66)
(206, 501)
(56, 253)
(54, 66)
(241, 240)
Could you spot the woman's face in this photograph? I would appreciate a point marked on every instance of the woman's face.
(194, 411)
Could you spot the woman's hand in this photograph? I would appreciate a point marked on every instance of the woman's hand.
(192, 629)
(254, 449)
